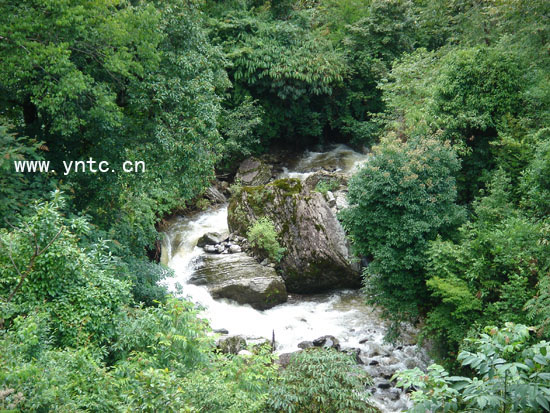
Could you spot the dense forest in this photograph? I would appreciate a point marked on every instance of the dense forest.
(450, 98)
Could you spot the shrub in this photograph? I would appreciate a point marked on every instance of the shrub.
(511, 375)
(320, 380)
(323, 186)
(263, 238)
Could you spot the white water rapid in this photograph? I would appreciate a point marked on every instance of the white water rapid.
(342, 314)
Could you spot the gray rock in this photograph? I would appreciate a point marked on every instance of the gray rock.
(252, 172)
(231, 344)
(305, 344)
(355, 353)
(221, 331)
(284, 359)
(330, 199)
(317, 256)
(384, 384)
(239, 277)
(214, 195)
(233, 249)
(327, 342)
(220, 248)
(210, 238)
(322, 175)
(394, 394)
(210, 249)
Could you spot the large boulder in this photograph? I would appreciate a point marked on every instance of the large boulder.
(317, 256)
(239, 277)
(253, 171)
(210, 238)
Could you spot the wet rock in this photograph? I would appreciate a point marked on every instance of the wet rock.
(284, 359)
(233, 249)
(394, 394)
(384, 384)
(363, 340)
(231, 344)
(330, 199)
(239, 277)
(210, 249)
(214, 195)
(252, 172)
(305, 344)
(355, 353)
(220, 248)
(210, 238)
(327, 342)
(374, 363)
(376, 349)
(323, 175)
(220, 331)
(387, 372)
(317, 256)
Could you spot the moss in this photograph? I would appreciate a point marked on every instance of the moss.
(290, 186)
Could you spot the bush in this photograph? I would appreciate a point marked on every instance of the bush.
(489, 275)
(320, 380)
(43, 266)
(511, 375)
(323, 186)
(263, 238)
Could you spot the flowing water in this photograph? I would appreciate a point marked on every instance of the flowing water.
(342, 314)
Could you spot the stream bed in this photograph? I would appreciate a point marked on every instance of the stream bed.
(342, 314)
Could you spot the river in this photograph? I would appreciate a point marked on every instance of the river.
(342, 314)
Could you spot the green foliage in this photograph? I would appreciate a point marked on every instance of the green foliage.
(263, 238)
(168, 336)
(43, 266)
(116, 81)
(289, 66)
(323, 186)
(488, 276)
(510, 374)
(163, 359)
(536, 180)
(400, 200)
(239, 128)
(17, 190)
(321, 380)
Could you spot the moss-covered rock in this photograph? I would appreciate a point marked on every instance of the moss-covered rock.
(317, 254)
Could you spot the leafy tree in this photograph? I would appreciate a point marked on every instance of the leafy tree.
(17, 190)
(288, 65)
(403, 198)
(535, 183)
(116, 81)
(475, 91)
(489, 274)
(42, 266)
